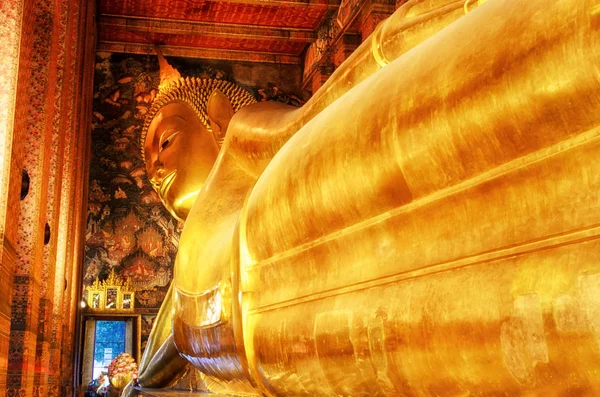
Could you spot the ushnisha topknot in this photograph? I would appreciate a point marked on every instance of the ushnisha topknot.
(195, 92)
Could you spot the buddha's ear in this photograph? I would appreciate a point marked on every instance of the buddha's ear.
(219, 111)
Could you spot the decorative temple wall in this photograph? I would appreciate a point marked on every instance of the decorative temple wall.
(44, 102)
(127, 229)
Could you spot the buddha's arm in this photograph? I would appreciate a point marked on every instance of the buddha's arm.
(161, 365)
(162, 370)
(258, 131)
(165, 368)
(161, 330)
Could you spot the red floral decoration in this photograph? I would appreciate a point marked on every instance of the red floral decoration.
(122, 370)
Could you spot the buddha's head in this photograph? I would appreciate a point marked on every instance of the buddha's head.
(182, 135)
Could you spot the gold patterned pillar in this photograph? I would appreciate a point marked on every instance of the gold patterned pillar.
(22, 339)
(373, 13)
(69, 305)
(59, 140)
(320, 76)
(10, 174)
(47, 136)
(70, 248)
(344, 48)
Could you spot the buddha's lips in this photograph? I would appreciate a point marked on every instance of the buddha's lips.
(166, 183)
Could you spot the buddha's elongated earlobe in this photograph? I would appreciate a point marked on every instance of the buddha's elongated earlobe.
(219, 112)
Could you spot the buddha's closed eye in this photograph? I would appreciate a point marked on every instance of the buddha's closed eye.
(167, 139)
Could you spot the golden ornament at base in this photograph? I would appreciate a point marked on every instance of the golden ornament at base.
(121, 380)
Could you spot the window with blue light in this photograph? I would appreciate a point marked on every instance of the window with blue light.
(110, 342)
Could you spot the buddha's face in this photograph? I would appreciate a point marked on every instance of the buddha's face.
(180, 153)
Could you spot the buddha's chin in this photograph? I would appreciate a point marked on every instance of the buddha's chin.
(177, 203)
(183, 204)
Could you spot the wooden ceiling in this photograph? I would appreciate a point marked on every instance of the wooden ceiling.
(245, 30)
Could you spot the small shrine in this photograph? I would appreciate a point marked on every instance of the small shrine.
(111, 295)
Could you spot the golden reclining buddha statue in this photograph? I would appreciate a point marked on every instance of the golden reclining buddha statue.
(427, 224)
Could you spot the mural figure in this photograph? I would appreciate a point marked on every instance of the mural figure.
(125, 220)
(426, 224)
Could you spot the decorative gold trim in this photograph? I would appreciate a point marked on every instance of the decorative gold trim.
(377, 47)
(466, 6)
(97, 295)
(88, 350)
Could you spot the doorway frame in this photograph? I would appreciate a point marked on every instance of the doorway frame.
(89, 339)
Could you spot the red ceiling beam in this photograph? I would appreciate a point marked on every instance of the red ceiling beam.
(287, 3)
(203, 53)
(142, 25)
